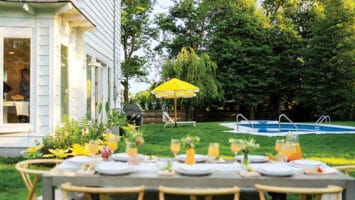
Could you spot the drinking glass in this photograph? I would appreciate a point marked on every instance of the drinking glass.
(278, 145)
(93, 147)
(131, 149)
(235, 147)
(213, 150)
(175, 146)
(112, 144)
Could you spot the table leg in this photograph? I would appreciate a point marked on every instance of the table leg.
(47, 188)
(349, 192)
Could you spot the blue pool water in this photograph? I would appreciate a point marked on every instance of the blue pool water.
(272, 127)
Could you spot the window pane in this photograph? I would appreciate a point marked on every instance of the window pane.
(16, 80)
(64, 95)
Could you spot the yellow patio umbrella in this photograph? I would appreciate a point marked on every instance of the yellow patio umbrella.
(174, 89)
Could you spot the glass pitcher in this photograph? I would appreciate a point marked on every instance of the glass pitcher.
(294, 145)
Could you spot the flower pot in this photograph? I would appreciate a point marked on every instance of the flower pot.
(190, 156)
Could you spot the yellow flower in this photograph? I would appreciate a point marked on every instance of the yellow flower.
(33, 149)
(78, 150)
(57, 153)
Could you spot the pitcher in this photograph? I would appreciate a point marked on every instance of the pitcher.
(293, 141)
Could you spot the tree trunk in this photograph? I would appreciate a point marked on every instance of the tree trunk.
(251, 113)
(126, 92)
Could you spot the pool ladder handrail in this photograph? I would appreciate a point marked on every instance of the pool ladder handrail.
(243, 117)
(288, 119)
(323, 118)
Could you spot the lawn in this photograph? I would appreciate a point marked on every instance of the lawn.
(334, 149)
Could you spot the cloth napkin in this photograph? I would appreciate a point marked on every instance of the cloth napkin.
(320, 170)
(245, 173)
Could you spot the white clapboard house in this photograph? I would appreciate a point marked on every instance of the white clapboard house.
(57, 57)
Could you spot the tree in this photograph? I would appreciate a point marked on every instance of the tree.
(238, 42)
(195, 69)
(136, 35)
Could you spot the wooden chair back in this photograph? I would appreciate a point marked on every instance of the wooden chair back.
(303, 192)
(102, 191)
(25, 172)
(346, 168)
(193, 193)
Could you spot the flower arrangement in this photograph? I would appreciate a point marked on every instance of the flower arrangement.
(248, 145)
(133, 134)
(190, 141)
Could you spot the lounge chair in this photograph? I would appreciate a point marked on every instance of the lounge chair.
(168, 120)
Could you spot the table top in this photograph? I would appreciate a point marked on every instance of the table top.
(223, 175)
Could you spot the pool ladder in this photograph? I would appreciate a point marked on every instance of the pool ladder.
(243, 117)
(288, 119)
(323, 118)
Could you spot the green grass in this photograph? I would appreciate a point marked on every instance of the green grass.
(334, 149)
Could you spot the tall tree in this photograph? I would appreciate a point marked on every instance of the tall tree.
(136, 35)
(239, 44)
(198, 70)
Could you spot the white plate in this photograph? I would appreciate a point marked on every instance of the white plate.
(150, 159)
(194, 170)
(276, 170)
(254, 158)
(113, 168)
(79, 160)
(123, 157)
(198, 158)
(306, 163)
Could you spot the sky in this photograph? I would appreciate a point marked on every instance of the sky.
(136, 85)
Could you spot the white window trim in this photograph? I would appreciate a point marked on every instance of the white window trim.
(11, 32)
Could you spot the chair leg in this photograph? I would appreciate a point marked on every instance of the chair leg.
(193, 197)
(103, 196)
(161, 196)
(141, 196)
(208, 197)
(31, 193)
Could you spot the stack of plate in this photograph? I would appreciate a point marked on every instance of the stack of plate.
(276, 170)
(303, 163)
(198, 158)
(123, 157)
(113, 168)
(80, 160)
(194, 170)
(253, 158)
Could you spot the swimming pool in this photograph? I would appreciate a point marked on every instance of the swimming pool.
(271, 128)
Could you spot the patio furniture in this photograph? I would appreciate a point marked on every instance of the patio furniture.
(345, 168)
(302, 191)
(102, 191)
(168, 120)
(223, 175)
(207, 192)
(25, 171)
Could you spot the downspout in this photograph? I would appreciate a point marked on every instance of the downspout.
(114, 55)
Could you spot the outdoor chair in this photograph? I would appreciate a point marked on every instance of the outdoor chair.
(193, 193)
(27, 173)
(332, 192)
(169, 121)
(346, 168)
(101, 191)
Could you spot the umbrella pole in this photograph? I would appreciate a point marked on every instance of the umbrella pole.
(175, 104)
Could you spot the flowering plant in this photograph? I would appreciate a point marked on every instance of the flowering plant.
(190, 141)
(248, 145)
(133, 134)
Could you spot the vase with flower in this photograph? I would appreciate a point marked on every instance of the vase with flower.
(189, 143)
(246, 147)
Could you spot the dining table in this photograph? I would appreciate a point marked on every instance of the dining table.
(222, 174)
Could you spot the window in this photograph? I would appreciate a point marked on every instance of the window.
(16, 78)
(64, 89)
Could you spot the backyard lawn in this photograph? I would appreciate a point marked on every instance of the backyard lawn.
(334, 149)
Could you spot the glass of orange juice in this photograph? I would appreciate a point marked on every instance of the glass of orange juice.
(278, 145)
(112, 143)
(213, 150)
(175, 146)
(131, 149)
(235, 146)
(93, 147)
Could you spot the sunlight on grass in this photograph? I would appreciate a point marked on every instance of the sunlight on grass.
(334, 161)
